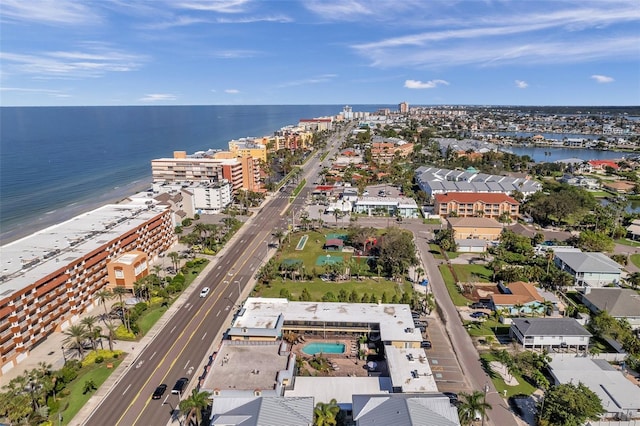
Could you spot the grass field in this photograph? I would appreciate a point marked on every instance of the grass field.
(76, 399)
(523, 387)
(457, 298)
(470, 273)
(318, 288)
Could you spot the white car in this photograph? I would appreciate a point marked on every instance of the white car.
(204, 292)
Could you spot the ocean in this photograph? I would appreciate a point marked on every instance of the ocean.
(57, 162)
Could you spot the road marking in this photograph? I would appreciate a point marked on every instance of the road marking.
(187, 364)
(174, 327)
(152, 355)
(125, 391)
(218, 313)
(204, 335)
(175, 342)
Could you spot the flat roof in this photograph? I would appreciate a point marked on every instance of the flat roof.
(245, 367)
(410, 370)
(395, 321)
(323, 389)
(25, 261)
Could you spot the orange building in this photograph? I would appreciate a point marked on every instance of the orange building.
(126, 269)
(50, 277)
(485, 204)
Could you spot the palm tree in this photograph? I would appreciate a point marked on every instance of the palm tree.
(325, 414)
(175, 259)
(111, 333)
(119, 292)
(90, 322)
(102, 297)
(76, 335)
(470, 405)
(196, 402)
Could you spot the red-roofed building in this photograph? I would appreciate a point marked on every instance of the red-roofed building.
(603, 164)
(485, 204)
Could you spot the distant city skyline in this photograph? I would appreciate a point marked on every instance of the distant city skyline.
(314, 52)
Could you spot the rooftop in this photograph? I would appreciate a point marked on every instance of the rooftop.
(473, 197)
(25, 261)
(582, 262)
(474, 222)
(550, 327)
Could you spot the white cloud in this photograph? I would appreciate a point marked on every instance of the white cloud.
(219, 6)
(236, 54)
(54, 12)
(158, 97)
(94, 60)
(521, 84)
(282, 19)
(343, 10)
(602, 78)
(416, 84)
(232, 91)
(313, 80)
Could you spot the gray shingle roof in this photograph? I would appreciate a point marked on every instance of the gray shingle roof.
(582, 262)
(404, 410)
(618, 302)
(549, 327)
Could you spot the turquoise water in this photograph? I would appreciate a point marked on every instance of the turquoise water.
(325, 348)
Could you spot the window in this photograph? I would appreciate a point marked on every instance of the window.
(119, 273)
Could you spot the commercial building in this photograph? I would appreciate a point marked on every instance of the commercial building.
(50, 277)
(433, 180)
(392, 206)
(474, 228)
(465, 204)
(241, 172)
(126, 269)
(248, 147)
(205, 198)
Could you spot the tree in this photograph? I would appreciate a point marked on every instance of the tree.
(93, 332)
(196, 403)
(76, 335)
(470, 404)
(119, 292)
(569, 405)
(175, 259)
(102, 297)
(326, 414)
(111, 333)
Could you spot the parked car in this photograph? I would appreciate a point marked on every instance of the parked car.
(479, 314)
(480, 305)
(180, 385)
(204, 292)
(426, 344)
(157, 394)
(453, 397)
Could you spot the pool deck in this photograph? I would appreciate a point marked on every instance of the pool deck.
(344, 364)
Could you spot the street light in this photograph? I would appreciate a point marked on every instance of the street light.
(484, 401)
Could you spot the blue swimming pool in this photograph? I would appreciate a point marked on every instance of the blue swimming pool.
(325, 348)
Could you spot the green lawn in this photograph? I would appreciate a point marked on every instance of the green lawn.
(318, 288)
(437, 254)
(150, 317)
(457, 298)
(470, 273)
(489, 327)
(431, 221)
(76, 399)
(627, 242)
(523, 387)
(635, 259)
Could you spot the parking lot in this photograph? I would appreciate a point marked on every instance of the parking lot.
(444, 364)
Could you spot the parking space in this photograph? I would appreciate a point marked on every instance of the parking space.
(444, 364)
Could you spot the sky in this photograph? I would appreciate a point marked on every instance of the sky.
(309, 52)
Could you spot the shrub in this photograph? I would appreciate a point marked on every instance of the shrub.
(123, 334)
(99, 356)
(99, 360)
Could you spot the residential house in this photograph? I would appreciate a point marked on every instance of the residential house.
(550, 334)
(262, 410)
(474, 228)
(465, 204)
(620, 303)
(404, 409)
(633, 230)
(518, 298)
(601, 165)
(588, 269)
(619, 396)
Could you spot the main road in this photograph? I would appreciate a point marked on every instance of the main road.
(186, 338)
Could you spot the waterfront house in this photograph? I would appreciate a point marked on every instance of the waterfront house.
(550, 334)
(633, 230)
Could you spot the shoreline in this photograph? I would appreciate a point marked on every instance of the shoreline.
(114, 196)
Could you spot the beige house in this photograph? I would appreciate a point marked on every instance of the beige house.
(126, 269)
(481, 228)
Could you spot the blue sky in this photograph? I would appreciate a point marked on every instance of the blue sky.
(197, 52)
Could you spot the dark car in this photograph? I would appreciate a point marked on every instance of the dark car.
(479, 314)
(157, 394)
(480, 305)
(453, 397)
(426, 344)
(179, 386)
